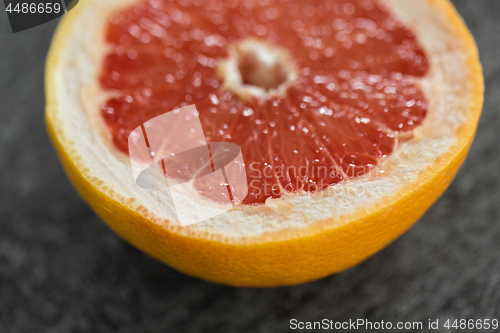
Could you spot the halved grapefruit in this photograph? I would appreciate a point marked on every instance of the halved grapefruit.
(353, 117)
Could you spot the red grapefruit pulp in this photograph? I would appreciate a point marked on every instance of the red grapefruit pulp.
(354, 94)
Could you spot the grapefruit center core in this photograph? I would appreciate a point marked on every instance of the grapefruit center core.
(256, 69)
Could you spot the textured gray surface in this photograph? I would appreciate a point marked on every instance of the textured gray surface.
(62, 270)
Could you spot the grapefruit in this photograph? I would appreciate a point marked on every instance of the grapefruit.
(353, 117)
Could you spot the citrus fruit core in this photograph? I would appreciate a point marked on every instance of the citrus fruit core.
(256, 69)
(261, 68)
(313, 95)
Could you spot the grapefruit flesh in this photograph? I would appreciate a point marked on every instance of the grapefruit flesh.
(354, 96)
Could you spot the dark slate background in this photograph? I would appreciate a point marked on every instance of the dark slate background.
(63, 270)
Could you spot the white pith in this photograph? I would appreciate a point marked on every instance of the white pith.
(79, 96)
